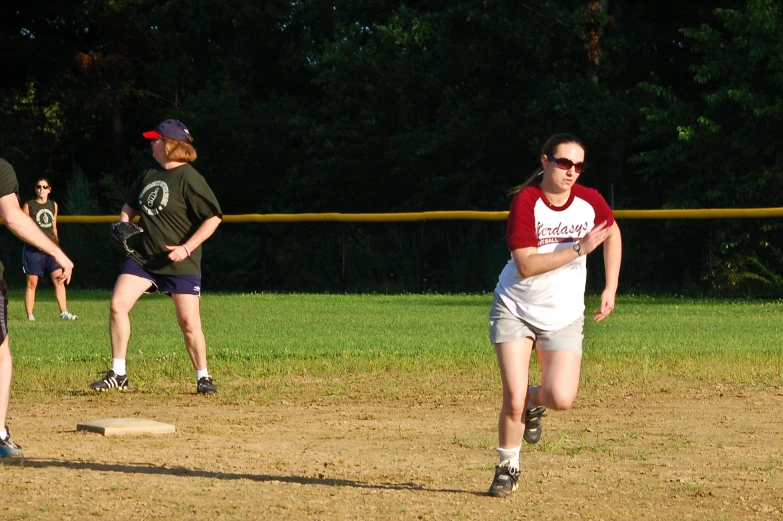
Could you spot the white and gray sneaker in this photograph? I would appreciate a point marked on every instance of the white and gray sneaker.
(31, 318)
(64, 316)
(505, 481)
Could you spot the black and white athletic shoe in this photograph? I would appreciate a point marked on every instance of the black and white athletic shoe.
(533, 419)
(9, 449)
(505, 481)
(112, 381)
(205, 385)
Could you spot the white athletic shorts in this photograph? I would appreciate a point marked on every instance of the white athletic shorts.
(504, 327)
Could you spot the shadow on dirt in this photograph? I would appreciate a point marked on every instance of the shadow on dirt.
(141, 468)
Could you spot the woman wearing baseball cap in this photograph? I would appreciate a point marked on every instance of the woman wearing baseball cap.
(177, 211)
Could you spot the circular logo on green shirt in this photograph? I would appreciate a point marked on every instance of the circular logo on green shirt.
(154, 197)
(44, 218)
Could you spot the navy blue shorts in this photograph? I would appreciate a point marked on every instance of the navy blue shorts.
(36, 262)
(168, 284)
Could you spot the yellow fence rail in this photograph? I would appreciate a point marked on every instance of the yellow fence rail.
(461, 215)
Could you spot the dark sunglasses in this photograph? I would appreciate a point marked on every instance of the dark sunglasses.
(566, 164)
(42, 186)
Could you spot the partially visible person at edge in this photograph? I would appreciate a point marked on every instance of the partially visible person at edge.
(20, 224)
(553, 225)
(36, 263)
(178, 212)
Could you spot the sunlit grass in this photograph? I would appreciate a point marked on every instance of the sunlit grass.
(385, 346)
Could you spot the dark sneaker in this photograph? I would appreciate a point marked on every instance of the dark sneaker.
(9, 449)
(112, 381)
(205, 385)
(505, 481)
(533, 419)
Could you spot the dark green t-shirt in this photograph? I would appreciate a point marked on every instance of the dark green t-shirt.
(8, 185)
(171, 204)
(43, 215)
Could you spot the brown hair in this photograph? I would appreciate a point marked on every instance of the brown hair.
(547, 150)
(180, 151)
(48, 183)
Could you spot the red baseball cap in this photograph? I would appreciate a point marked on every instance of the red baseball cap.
(172, 129)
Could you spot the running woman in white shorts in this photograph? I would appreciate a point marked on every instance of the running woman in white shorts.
(553, 225)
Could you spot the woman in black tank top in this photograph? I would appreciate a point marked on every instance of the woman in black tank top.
(36, 263)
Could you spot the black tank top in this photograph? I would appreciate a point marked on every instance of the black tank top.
(43, 215)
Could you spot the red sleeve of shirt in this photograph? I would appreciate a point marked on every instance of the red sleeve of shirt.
(597, 201)
(521, 228)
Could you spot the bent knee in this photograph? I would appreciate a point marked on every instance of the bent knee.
(119, 307)
(561, 401)
(189, 325)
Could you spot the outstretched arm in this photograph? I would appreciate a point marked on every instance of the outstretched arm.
(613, 254)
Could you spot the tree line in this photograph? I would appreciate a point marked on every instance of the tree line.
(387, 106)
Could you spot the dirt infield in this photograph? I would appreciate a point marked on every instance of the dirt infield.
(714, 454)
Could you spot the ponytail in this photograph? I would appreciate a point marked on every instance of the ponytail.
(533, 180)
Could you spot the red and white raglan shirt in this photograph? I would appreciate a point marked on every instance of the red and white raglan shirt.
(554, 299)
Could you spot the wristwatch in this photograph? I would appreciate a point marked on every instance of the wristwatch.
(578, 249)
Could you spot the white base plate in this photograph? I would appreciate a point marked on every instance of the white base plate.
(125, 426)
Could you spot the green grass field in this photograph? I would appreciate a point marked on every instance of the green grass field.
(376, 345)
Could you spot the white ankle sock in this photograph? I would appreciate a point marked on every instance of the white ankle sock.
(4, 433)
(201, 373)
(118, 366)
(509, 457)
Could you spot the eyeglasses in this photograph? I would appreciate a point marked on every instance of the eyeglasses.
(566, 164)
(41, 187)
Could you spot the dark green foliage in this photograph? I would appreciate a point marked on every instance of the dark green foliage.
(385, 106)
(721, 148)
